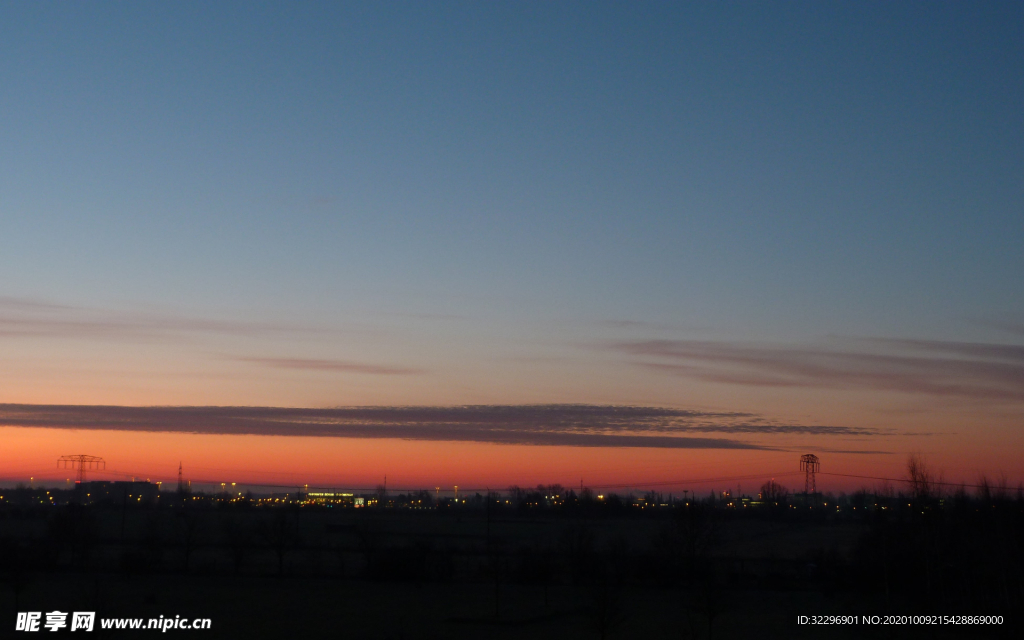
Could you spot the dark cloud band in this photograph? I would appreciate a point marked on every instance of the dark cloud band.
(566, 425)
(951, 369)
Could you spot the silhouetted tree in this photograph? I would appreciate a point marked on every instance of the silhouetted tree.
(16, 566)
(517, 495)
(73, 528)
(280, 536)
(535, 566)
(188, 533)
(605, 588)
(239, 535)
(774, 493)
(577, 546)
(920, 477)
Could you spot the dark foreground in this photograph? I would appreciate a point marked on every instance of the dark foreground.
(493, 569)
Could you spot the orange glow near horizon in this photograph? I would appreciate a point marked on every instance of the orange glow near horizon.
(413, 464)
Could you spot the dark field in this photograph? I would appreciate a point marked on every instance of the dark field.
(578, 569)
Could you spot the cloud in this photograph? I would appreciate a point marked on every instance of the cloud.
(311, 364)
(637, 326)
(866, 452)
(30, 318)
(958, 369)
(1014, 325)
(629, 324)
(571, 425)
(1005, 352)
(429, 316)
(30, 304)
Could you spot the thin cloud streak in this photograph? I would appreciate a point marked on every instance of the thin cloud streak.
(1007, 352)
(565, 425)
(979, 371)
(865, 452)
(29, 318)
(1012, 325)
(30, 304)
(313, 364)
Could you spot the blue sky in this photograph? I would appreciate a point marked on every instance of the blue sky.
(428, 203)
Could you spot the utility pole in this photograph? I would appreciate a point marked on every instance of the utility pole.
(124, 513)
(488, 512)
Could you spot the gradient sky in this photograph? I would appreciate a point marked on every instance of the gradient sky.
(809, 213)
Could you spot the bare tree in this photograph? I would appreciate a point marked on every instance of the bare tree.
(239, 537)
(921, 481)
(710, 601)
(606, 581)
(279, 536)
(516, 494)
(152, 541)
(15, 569)
(188, 535)
(73, 528)
(774, 493)
(576, 544)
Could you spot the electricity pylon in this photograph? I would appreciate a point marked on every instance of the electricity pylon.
(81, 463)
(809, 465)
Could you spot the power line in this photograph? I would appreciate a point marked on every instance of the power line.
(662, 483)
(240, 471)
(631, 485)
(948, 484)
(249, 484)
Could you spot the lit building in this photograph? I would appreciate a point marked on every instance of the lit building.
(330, 497)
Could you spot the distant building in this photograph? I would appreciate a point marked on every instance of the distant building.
(330, 497)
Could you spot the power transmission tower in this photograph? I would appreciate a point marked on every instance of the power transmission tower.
(184, 486)
(809, 465)
(81, 463)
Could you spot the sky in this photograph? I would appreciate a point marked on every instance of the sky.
(798, 217)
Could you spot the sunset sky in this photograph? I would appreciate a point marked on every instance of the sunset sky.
(537, 242)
